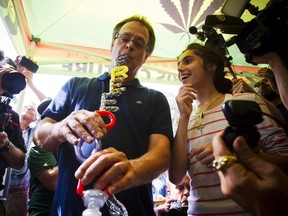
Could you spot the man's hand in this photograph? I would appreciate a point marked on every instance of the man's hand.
(269, 75)
(82, 124)
(108, 168)
(3, 139)
(239, 86)
(256, 185)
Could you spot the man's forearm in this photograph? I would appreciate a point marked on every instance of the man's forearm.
(152, 164)
(281, 77)
(47, 135)
(14, 156)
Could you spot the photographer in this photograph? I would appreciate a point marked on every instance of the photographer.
(280, 71)
(17, 198)
(177, 202)
(264, 41)
(12, 149)
(258, 186)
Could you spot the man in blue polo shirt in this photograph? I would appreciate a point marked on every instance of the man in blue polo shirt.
(134, 152)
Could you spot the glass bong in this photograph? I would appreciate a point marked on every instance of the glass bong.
(95, 199)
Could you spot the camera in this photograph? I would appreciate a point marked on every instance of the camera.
(267, 32)
(14, 82)
(242, 116)
(5, 110)
(215, 40)
(30, 65)
(176, 209)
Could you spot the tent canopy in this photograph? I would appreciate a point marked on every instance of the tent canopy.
(74, 36)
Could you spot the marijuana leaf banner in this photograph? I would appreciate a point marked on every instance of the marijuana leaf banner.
(74, 36)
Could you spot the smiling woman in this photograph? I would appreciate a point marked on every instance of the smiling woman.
(203, 81)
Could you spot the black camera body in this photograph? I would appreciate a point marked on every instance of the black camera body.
(176, 209)
(5, 110)
(267, 32)
(30, 65)
(242, 116)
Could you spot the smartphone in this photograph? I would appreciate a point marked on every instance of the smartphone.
(30, 65)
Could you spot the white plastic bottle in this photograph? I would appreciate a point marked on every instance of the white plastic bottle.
(93, 200)
(91, 212)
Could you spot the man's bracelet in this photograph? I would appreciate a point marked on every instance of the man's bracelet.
(6, 147)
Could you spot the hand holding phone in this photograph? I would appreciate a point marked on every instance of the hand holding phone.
(29, 64)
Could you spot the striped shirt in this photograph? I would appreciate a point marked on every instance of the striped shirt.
(206, 197)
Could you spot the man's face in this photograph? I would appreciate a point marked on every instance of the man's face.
(29, 114)
(127, 43)
(264, 88)
(183, 190)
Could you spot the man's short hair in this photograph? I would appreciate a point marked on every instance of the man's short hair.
(144, 21)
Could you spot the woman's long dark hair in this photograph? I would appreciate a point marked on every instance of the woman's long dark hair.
(210, 57)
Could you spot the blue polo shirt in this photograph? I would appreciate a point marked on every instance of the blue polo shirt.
(142, 112)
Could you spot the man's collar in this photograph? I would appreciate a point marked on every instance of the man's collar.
(104, 76)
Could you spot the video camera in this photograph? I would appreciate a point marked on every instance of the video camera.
(176, 209)
(267, 32)
(14, 82)
(213, 39)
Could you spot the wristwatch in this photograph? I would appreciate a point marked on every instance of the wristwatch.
(6, 147)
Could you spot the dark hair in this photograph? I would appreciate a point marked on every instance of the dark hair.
(144, 21)
(211, 56)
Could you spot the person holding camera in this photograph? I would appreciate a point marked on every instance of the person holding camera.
(258, 186)
(177, 201)
(17, 199)
(203, 92)
(16, 80)
(279, 67)
(265, 88)
(12, 147)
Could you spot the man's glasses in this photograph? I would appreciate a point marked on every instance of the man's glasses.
(140, 44)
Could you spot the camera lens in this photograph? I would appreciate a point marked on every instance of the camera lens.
(14, 82)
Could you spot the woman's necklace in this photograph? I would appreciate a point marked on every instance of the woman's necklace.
(200, 115)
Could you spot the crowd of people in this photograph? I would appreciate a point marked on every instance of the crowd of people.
(19, 186)
(206, 177)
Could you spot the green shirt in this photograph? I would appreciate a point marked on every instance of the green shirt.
(41, 198)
